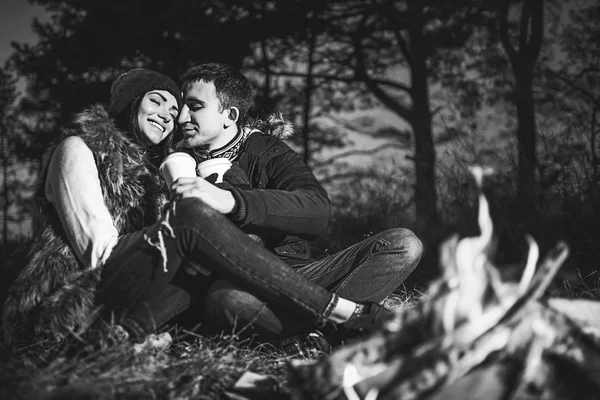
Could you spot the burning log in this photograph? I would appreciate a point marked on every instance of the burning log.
(472, 336)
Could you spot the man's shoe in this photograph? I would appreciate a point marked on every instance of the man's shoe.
(372, 317)
(305, 346)
(156, 342)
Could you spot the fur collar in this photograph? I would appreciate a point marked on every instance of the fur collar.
(275, 124)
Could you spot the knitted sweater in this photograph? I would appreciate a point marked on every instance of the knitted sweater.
(73, 188)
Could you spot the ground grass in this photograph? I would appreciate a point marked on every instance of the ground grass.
(583, 287)
(195, 367)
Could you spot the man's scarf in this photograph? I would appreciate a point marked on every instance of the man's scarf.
(229, 150)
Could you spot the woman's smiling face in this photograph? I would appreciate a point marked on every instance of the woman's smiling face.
(156, 116)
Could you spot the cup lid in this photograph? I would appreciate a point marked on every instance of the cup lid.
(176, 154)
(215, 161)
(179, 154)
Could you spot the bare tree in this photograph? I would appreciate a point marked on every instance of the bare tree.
(7, 99)
(361, 43)
(523, 49)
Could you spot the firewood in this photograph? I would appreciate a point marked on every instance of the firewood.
(472, 336)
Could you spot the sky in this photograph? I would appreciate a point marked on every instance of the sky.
(16, 17)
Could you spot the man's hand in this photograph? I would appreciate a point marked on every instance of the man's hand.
(219, 199)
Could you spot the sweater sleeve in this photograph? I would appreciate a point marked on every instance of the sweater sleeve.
(293, 202)
(73, 187)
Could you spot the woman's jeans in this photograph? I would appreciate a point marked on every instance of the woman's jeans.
(142, 292)
(250, 288)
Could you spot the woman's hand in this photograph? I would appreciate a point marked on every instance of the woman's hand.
(219, 199)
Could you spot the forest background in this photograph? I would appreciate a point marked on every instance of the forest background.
(393, 100)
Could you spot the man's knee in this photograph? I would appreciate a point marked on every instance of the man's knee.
(404, 240)
(227, 295)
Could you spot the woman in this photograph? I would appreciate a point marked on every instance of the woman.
(104, 242)
(100, 184)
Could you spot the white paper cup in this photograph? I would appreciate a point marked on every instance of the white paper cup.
(177, 165)
(214, 165)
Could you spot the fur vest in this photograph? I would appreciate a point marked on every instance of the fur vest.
(53, 295)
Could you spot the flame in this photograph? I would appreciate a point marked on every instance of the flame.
(350, 378)
(470, 276)
(470, 280)
(532, 259)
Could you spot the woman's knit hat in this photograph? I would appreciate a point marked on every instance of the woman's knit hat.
(135, 83)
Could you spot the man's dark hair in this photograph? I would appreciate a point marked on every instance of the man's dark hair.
(232, 87)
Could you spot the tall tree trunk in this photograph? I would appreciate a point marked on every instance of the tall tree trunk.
(593, 142)
(523, 59)
(266, 103)
(4, 152)
(425, 158)
(526, 135)
(308, 95)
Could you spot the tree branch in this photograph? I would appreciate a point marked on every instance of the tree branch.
(362, 74)
(524, 26)
(404, 48)
(350, 153)
(383, 82)
(503, 31)
(537, 29)
(397, 21)
(588, 70)
(587, 94)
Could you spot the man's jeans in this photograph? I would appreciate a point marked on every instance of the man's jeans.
(367, 271)
(142, 293)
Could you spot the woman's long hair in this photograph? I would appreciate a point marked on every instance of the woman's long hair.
(127, 121)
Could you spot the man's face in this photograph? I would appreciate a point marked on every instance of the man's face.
(201, 121)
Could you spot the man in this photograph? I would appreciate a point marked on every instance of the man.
(271, 194)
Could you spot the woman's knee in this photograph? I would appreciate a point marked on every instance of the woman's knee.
(191, 219)
(404, 240)
(230, 307)
(231, 302)
(191, 208)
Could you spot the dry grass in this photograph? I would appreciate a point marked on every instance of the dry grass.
(582, 287)
(194, 367)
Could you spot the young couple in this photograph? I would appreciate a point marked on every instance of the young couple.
(111, 247)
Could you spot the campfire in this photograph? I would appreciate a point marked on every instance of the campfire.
(472, 336)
